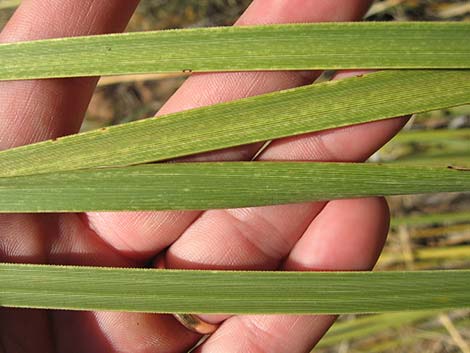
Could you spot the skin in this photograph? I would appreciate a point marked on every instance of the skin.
(338, 235)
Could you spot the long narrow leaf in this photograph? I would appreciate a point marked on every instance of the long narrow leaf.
(174, 186)
(366, 326)
(429, 147)
(460, 159)
(292, 112)
(426, 254)
(274, 47)
(9, 4)
(432, 219)
(88, 288)
(441, 136)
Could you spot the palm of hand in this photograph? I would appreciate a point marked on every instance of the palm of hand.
(342, 235)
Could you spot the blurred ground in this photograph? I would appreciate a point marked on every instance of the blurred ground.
(428, 231)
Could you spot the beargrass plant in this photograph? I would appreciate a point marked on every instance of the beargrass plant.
(426, 68)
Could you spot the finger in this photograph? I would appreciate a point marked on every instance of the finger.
(34, 110)
(342, 237)
(349, 144)
(121, 332)
(141, 235)
(261, 237)
(75, 244)
(347, 235)
(144, 234)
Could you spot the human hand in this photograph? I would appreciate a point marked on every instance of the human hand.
(339, 235)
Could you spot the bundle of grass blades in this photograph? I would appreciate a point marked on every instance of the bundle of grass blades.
(44, 177)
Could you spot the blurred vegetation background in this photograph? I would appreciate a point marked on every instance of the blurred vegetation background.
(427, 231)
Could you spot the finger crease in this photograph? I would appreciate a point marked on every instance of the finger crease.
(263, 241)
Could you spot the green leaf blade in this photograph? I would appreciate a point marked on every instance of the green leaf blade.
(312, 108)
(163, 291)
(9, 4)
(367, 45)
(196, 186)
(363, 327)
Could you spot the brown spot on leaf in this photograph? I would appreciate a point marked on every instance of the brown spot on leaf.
(464, 169)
